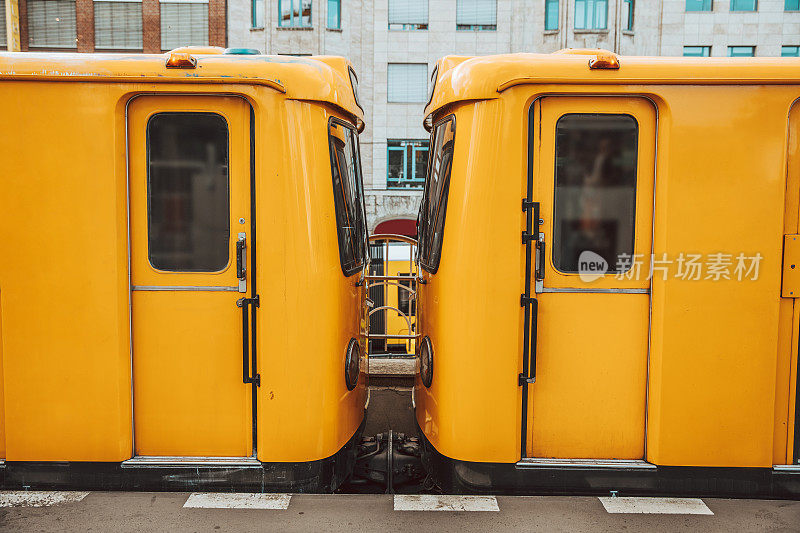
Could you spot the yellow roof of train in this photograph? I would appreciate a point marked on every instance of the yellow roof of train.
(315, 78)
(462, 78)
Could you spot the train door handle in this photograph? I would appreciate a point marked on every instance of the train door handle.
(241, 256)
(249, 374)
(540, 247)
(241, 261)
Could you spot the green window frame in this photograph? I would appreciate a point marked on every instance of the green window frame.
(257, 14)
(294, 14)
(591, 14)
(791, 5)
(551, 15)
(334, 15)
(744, 5)
(790, 51)
(741, 51)
(628, 15)
(412, 171)
(696, 51)
(699, 5)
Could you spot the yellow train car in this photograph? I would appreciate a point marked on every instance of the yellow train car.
(170, 226)
(608, 249)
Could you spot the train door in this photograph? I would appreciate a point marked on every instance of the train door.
(190, 224)
(592, 178)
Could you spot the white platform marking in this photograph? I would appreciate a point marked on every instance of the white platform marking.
(237, 500)
(38, 498)
(433, 502)
(655, 505)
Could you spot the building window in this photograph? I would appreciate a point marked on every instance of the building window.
(628, 14)
(408, 14)
(744, 5)
(257, 9)
(741, 51)
(117, 25)
(406, 163)
(697, 51)
(790, 51)
(407, 82)
(591, 14)
(294, 13)
(476, 15)
(791, 5)
(699, 5)
(550, 15)
(51, 24)
(184, 23)
(334, 14)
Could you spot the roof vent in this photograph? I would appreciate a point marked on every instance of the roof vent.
(242, 52)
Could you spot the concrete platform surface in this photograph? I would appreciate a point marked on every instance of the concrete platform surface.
(179, 512)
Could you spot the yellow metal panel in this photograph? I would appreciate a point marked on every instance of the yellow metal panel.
(470, 308)
(714, 344)
(309, 309)
(2, 391)
(63, 274)
(591, 377)
(790, 287)
(188, 394)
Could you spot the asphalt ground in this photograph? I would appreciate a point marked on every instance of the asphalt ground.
(143, 511)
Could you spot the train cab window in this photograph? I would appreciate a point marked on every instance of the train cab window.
(434, 202)
(348, 196)
(187, 192)
(595, 188)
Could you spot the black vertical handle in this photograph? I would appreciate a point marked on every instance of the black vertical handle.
(249, 374)
(241, 258)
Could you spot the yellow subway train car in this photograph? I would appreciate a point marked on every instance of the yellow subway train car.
(609, 251)
(173, 229)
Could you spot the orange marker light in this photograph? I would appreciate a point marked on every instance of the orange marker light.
(181, 60)
(604, 60)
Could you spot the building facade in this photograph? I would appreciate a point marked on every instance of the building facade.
(149, 26)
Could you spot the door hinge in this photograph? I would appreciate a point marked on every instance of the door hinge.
(523, 379)
(527, 237)
(525, 300)
(790, 282)
(527, 204)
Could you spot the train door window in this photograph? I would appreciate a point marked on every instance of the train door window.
(348, 196)
(187, 187)
(437, 184)
(595, 189)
